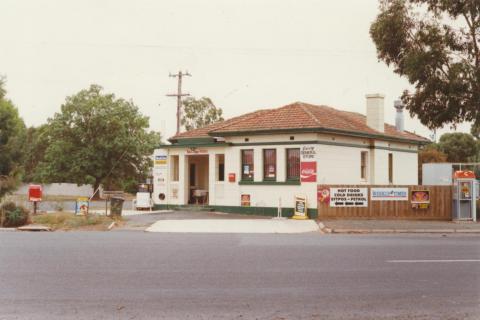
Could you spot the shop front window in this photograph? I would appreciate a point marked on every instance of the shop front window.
(269, 164)
(247, 165)
(293, 164)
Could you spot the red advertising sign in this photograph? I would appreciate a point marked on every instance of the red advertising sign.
(323, 195)
(308, 171)
(34, 192)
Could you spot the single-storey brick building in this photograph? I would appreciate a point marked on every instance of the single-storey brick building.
(254, 162)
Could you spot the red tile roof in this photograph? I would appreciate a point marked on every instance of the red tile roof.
(297, 115)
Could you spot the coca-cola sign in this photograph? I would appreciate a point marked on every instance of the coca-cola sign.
(308, 171)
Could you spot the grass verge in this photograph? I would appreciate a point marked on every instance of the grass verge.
(69, 221)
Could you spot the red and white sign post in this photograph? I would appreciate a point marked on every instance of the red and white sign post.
(35, 195)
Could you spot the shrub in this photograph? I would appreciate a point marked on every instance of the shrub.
(13, 215)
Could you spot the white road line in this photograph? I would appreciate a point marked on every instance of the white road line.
(433, 261)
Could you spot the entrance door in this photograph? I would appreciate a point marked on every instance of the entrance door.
(192, 183)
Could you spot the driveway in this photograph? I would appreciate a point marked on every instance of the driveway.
(143, 221)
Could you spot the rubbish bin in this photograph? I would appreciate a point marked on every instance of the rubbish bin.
(116, 205)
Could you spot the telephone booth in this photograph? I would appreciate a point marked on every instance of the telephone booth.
(464, 195)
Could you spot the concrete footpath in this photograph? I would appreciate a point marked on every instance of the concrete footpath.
(234, 226)
(399, 226)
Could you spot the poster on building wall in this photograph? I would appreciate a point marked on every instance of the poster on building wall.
(420, 199)
(420, 196)
(308, 164)
(245, 200)
(348, 197)
(308, 171)
(389, 194)
(323, 195)
(160, 171)
(160, 160)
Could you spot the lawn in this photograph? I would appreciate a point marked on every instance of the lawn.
(69, 221)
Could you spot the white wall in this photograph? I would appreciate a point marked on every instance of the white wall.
(336, 164)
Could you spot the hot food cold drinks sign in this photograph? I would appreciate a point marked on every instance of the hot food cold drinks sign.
(348, 197)
(308, 164)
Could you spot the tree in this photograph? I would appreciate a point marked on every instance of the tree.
(459, 147)
(12, 137)
(200, 113)
(475, 130)
(34, 152)
(97, 139)
(430, 154)
(435, 45)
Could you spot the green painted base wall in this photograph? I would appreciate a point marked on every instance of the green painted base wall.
(259, 211)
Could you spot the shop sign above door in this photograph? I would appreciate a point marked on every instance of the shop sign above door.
(195, 150)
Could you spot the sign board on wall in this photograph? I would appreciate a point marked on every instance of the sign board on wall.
(161, 159)
(308, 171)
(323, 195)
(348, 197)
(389, 194)
(308, 164)
(420, 199)
(194, 150)
(160, 171)
(308, 153)
(245, 200)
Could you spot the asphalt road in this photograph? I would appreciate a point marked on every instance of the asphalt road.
(136, 275)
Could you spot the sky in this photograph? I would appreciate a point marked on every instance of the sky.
(244, 55)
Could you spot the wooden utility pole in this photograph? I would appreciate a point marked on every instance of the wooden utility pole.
(179, 95)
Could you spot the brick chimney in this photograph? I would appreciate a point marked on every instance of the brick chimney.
(375, 111)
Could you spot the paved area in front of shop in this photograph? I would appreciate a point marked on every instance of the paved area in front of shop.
(234, 226)
(399, 226)
(140, 222)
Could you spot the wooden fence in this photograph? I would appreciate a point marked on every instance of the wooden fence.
(440, 207)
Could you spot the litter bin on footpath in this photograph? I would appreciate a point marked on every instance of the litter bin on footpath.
(116, 206)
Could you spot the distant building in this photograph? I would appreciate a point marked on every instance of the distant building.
(248, 163)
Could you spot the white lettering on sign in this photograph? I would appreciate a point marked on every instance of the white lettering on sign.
(348, 197)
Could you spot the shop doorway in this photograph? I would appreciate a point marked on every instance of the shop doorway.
(198, 176)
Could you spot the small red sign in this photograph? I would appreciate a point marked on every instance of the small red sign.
(464, 175)
(308, 171)
(35, 192)
(231, 177)
(323, 195)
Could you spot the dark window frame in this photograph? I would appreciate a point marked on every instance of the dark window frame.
(364, 165)
(250, 176)
(267, 163)
(289, 165)
(221, 167)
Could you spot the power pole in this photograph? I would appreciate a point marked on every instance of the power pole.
(179, 95)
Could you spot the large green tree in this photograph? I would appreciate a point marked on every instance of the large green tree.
(435, 45)
(12, 138)
(198, 113)
(36, 144)
(459, 147)
(97, 139)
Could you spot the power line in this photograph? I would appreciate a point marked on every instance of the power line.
(179, 95)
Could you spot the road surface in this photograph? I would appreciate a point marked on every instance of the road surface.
(137, 275)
